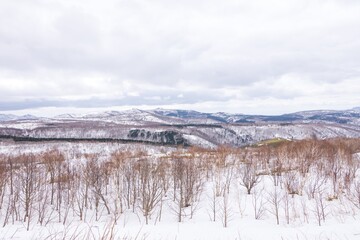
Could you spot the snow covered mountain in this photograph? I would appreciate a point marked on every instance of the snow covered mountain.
(328, 116)
(168, 116)
(182, 127)
(356, 109)
(11, 117)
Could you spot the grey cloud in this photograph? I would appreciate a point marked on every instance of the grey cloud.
(58, 45)
(148, 98)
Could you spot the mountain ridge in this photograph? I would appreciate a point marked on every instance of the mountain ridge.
(337, 116)
(160, 115)
(182, 127)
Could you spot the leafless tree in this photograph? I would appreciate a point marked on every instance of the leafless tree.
(274, 199)
(187, 184)
(163, 173)
(225, 210)
(354, 195)
(319, 208)
(42, 198)
(29, 182)
(315, 181)
(213, 204)
(151, 191)
(129, 187)
(96, 176)
(13, 199)
(118, 160)
(276, 167)
(3, 180)
(249, 176)
(258, 203)
(305, 210)
(53, 161)
(306, 153)
(81, 193)
(286, 206)
(293, 182)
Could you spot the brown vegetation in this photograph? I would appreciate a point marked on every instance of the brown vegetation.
(41, 188)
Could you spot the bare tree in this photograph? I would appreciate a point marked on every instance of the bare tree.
(96, 175)
(213, 204)
(29, 181)
(305, 154)
(249, 176)
(42, 198)
(225, 210)
(319, 208)
(305, 210)
(315, 182)
(274, 199)
(286, 206)
(129, 181)
(293, 182)
(276, 167)
(187, 185)
(354, 195)
(150, 187)
(81, 194)
(13, 199)
(118, 160)
(334, 171)
(10, 164)
(53, 161)
(258, 203)
(3, 180)
(163, 173)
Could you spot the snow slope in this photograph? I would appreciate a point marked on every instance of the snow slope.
(190, 127)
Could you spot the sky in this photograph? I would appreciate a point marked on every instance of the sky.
(238, 56)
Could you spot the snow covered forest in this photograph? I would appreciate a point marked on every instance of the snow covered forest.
(308, 189)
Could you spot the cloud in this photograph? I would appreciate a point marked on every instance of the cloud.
(90, 54)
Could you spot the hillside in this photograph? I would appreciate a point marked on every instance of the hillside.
(182, 127)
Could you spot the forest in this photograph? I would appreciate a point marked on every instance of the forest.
(305, 182)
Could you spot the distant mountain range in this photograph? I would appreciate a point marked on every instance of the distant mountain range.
(343, 117)
(11, 117)
(165, 115)
(182, 127)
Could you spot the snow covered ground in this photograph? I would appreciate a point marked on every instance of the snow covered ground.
(342, 222)
(222, 209)
(240, 227)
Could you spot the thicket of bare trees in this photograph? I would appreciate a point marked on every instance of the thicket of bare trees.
(48, 187)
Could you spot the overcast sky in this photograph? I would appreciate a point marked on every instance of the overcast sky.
(244, 56)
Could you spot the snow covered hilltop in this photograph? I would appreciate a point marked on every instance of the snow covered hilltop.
(181, 127)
